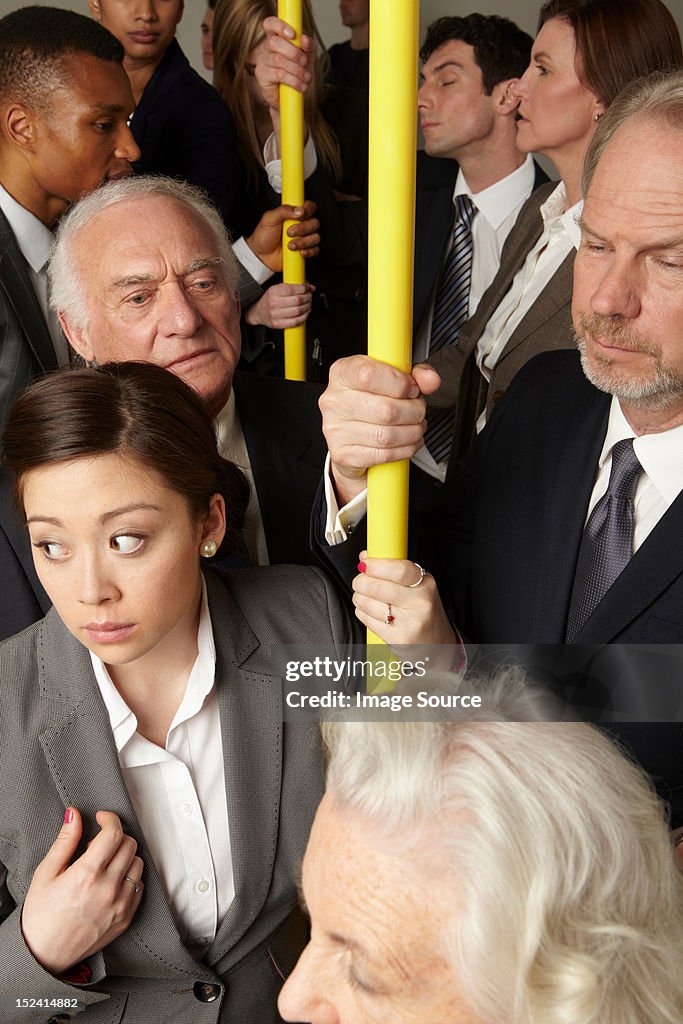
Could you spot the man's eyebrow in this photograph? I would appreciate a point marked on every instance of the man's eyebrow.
(111, 108)
(660, 244)
(129, 279)
(581, 221)
(199, 264)
(443, 66)
(202, 263)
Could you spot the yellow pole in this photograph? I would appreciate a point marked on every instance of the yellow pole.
(292, 143)
(393, 142)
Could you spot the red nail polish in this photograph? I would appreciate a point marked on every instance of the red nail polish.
(362, 567)
(68, 815)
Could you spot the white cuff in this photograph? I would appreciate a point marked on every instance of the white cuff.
(273, 163)
(340, 523)
(250, 261)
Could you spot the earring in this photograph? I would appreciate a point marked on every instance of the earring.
(597, 117)
(208, 549)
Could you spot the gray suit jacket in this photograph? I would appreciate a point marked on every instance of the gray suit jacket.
(57, 749)
(26, 348)
(547, 325)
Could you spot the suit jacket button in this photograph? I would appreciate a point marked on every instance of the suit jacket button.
(497, 395)
(205, 992)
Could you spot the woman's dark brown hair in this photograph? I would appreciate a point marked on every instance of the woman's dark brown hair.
(131, 409)
(618, 40)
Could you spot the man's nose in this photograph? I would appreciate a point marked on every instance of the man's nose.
(145, 10)
(179, 314)
(126, 146)
(617, 292)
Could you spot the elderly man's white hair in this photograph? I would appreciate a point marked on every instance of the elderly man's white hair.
(67, 289)
(567, 906)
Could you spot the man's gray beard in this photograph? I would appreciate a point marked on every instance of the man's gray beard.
(655, 392)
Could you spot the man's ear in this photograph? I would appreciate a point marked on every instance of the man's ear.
(94, 8)
(77, 338)
(505, 98)
(19, 125)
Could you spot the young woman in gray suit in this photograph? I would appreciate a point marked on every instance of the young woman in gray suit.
(145, 713)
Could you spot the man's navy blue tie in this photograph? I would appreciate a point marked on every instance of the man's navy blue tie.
(607, 543)
(450, 313)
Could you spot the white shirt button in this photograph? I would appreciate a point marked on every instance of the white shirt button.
(203, 886)
(186, 809)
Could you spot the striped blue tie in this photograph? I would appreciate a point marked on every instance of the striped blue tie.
(451, 307)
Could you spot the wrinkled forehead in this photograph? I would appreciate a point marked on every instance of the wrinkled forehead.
(639, 174)
(155, 229)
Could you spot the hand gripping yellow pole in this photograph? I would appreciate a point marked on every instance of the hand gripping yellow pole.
(292, 145)
(393, 142)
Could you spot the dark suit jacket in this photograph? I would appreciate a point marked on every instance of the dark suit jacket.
(503, 541)
(511, 521)
(26, 348)
(281, 424)
(184, 130)
(57, 749)
(547, 325)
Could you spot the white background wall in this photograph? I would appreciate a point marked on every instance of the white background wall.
(524, 12)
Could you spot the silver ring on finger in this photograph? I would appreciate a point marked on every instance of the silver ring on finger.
(423, 573)
(127, 878)
(390, 617)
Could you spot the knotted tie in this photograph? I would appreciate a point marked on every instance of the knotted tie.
(450, 313)
(607, 543)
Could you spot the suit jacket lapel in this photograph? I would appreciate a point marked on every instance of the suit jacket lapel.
(555, 296)
(83, 760)
(573, 479)
(19, 293)
(655, 565)
(250, 703)
(434, 216)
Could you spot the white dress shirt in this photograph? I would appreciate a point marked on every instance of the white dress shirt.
(35, 243)
(232, 446)
(178, 794)
(661, 480)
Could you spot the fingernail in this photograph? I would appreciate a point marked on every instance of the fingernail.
(68, 815)
(362, 567)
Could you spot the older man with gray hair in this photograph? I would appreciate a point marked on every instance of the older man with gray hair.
(489, 871)
(143, 270)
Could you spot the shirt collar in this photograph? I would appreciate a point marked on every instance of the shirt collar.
(224, 424)
(34, 240)
(658, 454)
(199, 684)
(556, 216)
(497, 201)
